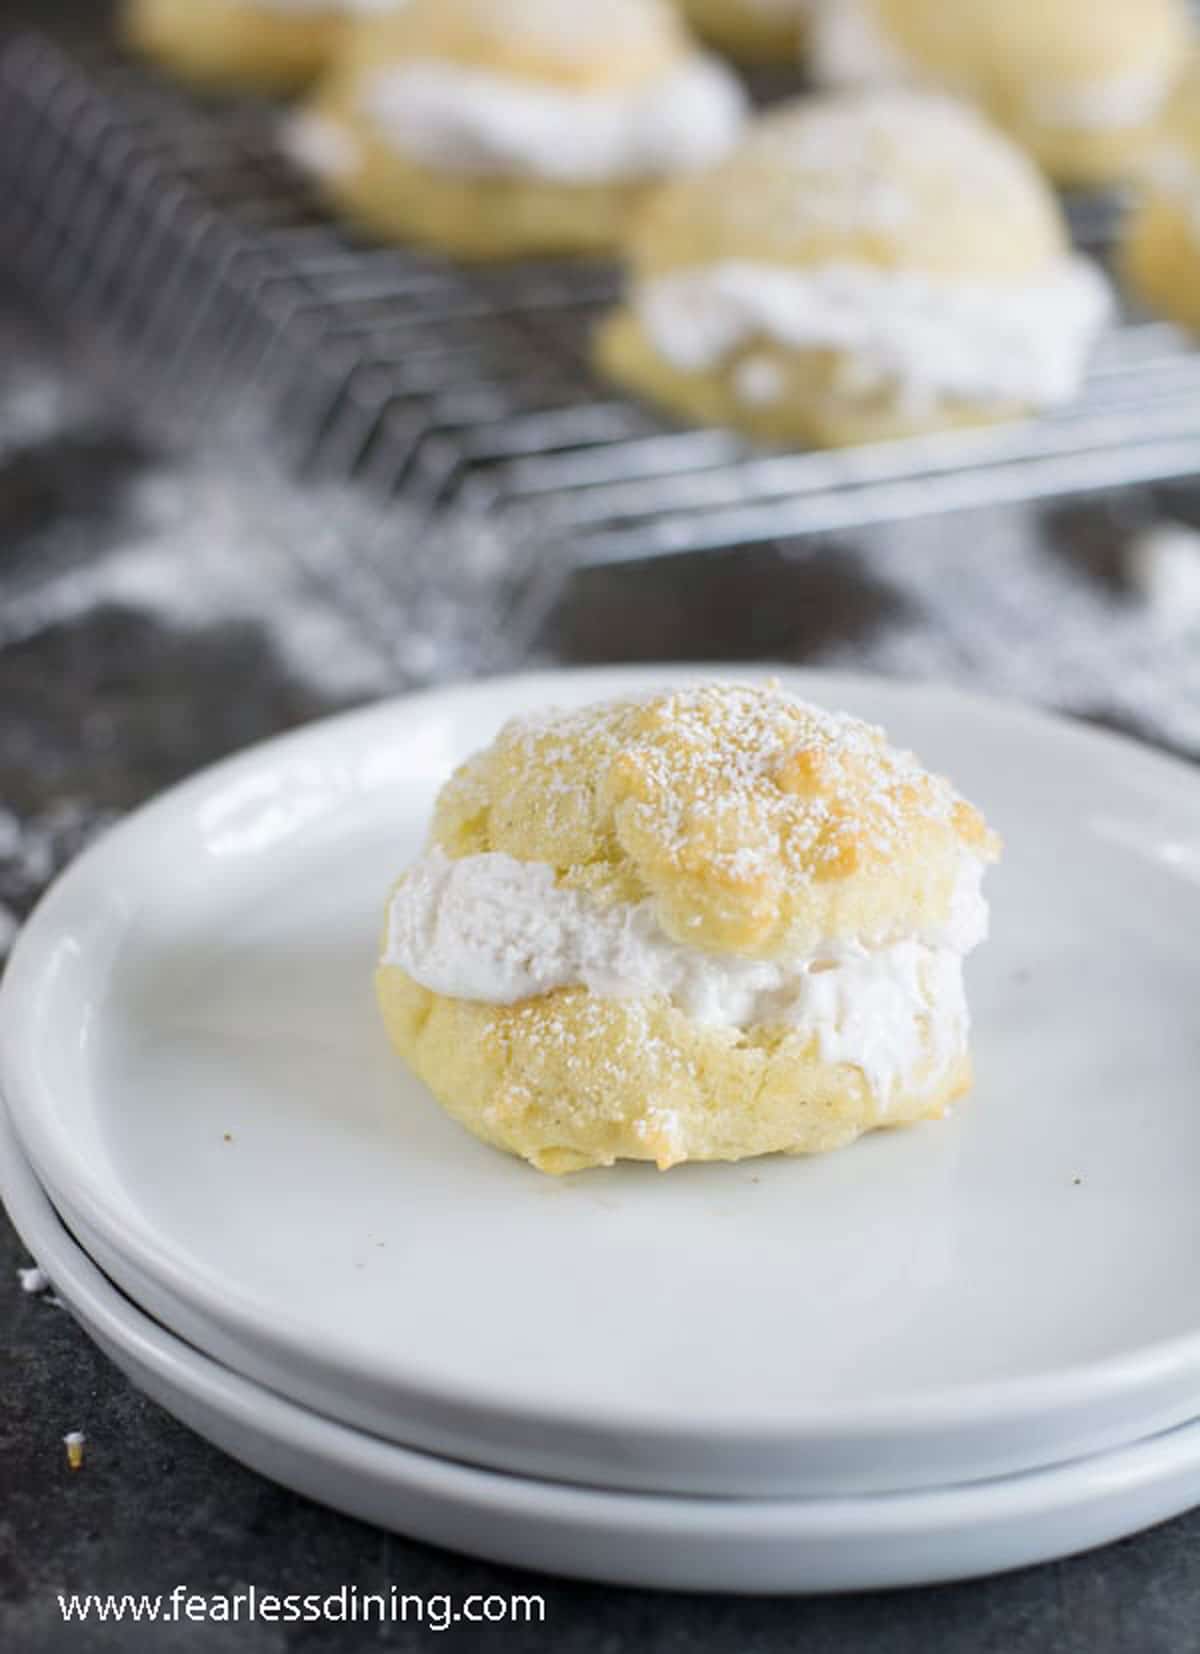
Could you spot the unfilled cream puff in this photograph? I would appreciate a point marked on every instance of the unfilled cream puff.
(263, 45)
(496, 128)
(694, 925)
(864, 265)
(1081, 85)
(1161, 255)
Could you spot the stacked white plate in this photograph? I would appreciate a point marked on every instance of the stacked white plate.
(945, 1351)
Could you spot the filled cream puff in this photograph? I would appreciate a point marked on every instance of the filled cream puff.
(495, 128)
(864, 265)
(264, 45)
(754, 31)
(695, 925)
(1161, 255)
(1080, 85)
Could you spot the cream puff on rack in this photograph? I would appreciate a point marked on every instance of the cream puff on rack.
(265, 45)
(864, 265)
(755, 31)
(1162, 246)
(1079, 84)
(697, 925)
(494, 128)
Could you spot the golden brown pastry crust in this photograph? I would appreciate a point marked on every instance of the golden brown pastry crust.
(568, 1081)
(574, 49)
(397, 199)
(228, 43)
(1161, 253)
(810, 409)
(1020, 59)
(756, 825)
(621, 43)
(893, 180)
(752, 33)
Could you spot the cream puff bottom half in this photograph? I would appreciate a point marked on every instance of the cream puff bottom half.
(804, 402)
(398, 199)
(223, 43)
(570, 1080)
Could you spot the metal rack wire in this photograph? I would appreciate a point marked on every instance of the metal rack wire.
(174, 229)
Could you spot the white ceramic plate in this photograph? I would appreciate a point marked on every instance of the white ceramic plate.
(194, 1063)
(735, 1545)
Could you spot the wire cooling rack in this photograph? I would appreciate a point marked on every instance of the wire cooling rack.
(173, 230)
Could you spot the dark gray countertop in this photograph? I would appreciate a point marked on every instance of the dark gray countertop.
(125, 597)
(118, 615)
(155, 1506)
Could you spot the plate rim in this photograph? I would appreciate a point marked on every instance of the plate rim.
(1061, 1391)
(1049, 1495)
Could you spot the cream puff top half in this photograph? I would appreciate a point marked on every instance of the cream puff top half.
(723, 845)
(544, 90)
(1069, 64)
(894, 226)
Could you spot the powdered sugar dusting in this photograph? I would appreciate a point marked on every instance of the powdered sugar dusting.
(751, 772)
(843, 161)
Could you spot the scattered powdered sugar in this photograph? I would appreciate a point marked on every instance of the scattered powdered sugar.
(1163, 564)
(579, 1045)
(33, 850)
(988, 601)
(357, 596)
(35, 403)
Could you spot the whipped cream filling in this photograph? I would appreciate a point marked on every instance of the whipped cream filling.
(318, 145)
(466, 121)
(498, 930)
(927, 340)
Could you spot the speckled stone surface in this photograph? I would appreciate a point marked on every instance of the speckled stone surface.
(153, 1506)
(138, 642)
(108, 692)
